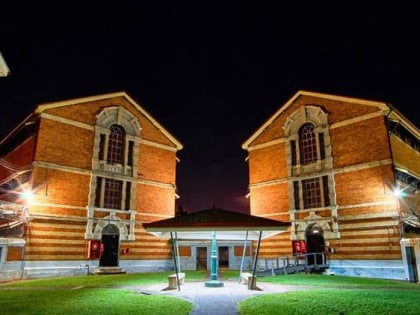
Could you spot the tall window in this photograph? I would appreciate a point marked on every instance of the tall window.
(311, 193)
(116, 144)
(115, 159)
(293, 150)
(130, 153)
(127, 195)
(321, 145)
(307, 144)
(112, 193)
(314, 193)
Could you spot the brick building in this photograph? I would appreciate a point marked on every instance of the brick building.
(331, 165)
(99, 167)
(96, 168)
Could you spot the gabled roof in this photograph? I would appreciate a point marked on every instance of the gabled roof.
(29, 120)
(42, 107)
(228, 225)
(386, 108)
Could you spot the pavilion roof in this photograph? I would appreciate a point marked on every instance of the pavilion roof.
(228, 225)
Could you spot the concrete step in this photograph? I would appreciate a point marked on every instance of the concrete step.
(108, 270)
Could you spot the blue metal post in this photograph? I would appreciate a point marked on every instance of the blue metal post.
(214, 282)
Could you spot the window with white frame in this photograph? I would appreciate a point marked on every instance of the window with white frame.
(308, 154)
(115, 159)
(311, 193)
(116, 144)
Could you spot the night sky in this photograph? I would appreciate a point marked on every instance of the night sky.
(210, 72)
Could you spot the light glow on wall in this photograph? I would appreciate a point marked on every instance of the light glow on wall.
(28, 196)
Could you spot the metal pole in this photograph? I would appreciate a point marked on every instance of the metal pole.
(213, 258)
(213, 282)
(177, 252)
(243, 257)
(175, 262)
(255, 260)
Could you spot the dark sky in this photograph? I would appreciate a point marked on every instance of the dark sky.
(210, 72)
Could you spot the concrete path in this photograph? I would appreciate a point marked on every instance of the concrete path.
(219, 300)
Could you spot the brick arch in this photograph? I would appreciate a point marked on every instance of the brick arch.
(305, 114)
(118, 115)
(102, 225)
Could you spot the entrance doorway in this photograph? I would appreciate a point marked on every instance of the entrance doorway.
(315, 244)
(201, 263)
(110, 242)
(223, 257)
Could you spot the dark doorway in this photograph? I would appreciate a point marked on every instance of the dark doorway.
(224, 257)
(412, 264)
(110, 242)
(315, 244)
(201, 258)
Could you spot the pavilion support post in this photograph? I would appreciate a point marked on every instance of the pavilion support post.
(175, 261)
(243, 257)
(214, 282)
(177, 253)
(255, 261)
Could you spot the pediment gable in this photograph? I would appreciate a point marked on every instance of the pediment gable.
(86, 110)
(331, 105)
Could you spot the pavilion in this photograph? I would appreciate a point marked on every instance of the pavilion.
(216, 224)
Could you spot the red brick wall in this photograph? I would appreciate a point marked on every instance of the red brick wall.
(156, 201)
(363, 192)
(86, 113)
(267, 163)
(267, 200)
(64, 144)
(62, 193)
(157, 164)
(360, 142)
(60, 187)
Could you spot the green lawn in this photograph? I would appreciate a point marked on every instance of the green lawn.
(325, 295)
(105, 294)
(116, 294)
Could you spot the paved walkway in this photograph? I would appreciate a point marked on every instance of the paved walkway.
(219, 300)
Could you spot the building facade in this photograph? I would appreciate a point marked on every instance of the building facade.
(78, 178)
(332, 165)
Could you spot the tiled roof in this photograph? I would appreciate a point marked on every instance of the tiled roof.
(228, 224)
(215, 218)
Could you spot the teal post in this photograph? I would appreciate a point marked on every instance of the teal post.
(214, 257)
(214, 282)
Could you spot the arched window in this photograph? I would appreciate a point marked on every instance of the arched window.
(308, 154)
(116, 144)
(307, 144)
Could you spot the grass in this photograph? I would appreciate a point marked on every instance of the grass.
(90, 301)
(132, 279)
(105, 294)
(335, 281)
(330, 301)
(119, 294)
(335, 295)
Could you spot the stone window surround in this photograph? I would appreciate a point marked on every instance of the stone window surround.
(315, 115)
(123, 172)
